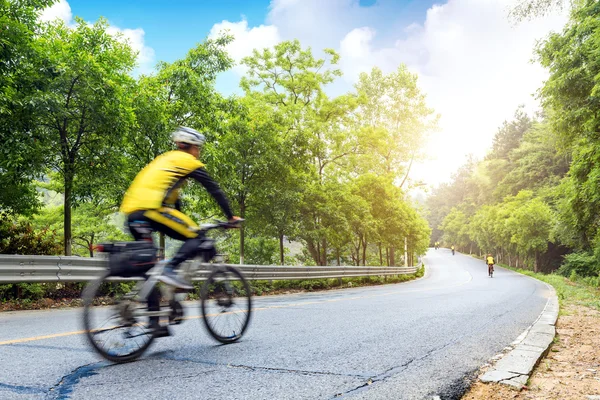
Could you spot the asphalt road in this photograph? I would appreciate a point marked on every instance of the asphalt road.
(414, 340)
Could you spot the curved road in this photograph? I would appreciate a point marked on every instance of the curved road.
(415, 340)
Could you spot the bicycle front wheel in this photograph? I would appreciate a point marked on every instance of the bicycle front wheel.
(226, 304)
(116, 325)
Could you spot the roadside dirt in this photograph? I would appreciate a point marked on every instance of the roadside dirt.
(570, 370)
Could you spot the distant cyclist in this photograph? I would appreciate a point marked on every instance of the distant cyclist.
(490, 262)
(452, 248)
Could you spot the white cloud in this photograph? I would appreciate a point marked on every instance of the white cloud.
(473, 63)
(61, 10)
(246, 39)
(319, 23)
(135, 37)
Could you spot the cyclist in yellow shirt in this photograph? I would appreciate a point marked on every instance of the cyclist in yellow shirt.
(452, 248)
(152, 201)
(490, 262)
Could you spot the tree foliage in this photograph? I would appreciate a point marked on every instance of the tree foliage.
(508, 203)
(328, 173)
(21, 153)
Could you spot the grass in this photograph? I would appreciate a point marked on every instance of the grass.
(261, 288)
(568, 291)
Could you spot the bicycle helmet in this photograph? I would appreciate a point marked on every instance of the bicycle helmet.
(188, 135)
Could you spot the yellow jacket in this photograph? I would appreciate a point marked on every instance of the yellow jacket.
(158, 184)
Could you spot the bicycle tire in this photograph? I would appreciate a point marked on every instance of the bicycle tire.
(210, 295)
(90, 292)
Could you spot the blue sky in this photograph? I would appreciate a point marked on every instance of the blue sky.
(473, 63)
(173, 27)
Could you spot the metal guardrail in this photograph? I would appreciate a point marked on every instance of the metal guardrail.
(27, 269)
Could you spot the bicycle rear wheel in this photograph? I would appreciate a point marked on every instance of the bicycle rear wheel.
(119, 332)
(226, 304)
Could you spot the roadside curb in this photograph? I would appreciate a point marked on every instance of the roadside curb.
(515, 367)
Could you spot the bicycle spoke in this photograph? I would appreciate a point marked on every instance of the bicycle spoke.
(227, 320)
(118, 333)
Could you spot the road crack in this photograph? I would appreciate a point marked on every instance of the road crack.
(265, 369)
(388, 373)
(20, 389)
(63, 389)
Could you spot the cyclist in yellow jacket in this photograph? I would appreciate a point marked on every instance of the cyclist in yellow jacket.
(152, 201)
(490, 263)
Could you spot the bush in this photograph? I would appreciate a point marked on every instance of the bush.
(582, 264)
(19, 237)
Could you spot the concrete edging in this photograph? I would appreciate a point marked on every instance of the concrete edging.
(515, 367)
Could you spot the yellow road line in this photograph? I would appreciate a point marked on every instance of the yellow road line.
(57, 335)
(31, 339)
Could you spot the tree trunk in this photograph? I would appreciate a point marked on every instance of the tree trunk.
(162, 245)
(324, 252)
(392, 257)
(387, 256)
(67, 214)
(281, 249)
(357, 249)
(337, 252)
(364, 255)
(380, 255)
(318, 260)
(91, 246)
(310, 244)
(242, 236)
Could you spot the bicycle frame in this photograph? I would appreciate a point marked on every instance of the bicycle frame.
(143, 288)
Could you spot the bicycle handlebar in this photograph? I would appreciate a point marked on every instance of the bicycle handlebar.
(220, 225)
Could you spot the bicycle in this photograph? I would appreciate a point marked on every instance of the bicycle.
(125, 331)
(491, 270)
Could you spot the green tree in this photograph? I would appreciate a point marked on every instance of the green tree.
(290, 80)
(21, 78)
(510, 134)
(456, 229)
(572, 96)
(86, 107)
(248, 159)
(93, 223)
(531, 226)
(395, 121)
(528, 9)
